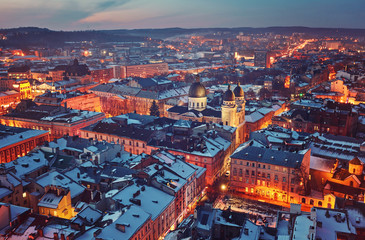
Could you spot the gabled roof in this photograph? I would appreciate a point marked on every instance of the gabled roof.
(356, 161)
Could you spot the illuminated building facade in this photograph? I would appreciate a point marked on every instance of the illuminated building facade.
(56, 202)
(22, 72)
(59, 121)
(74, 100)
(17, 142)
(267, 173)
(146, 70)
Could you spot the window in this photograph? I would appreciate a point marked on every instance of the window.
(248, 164)
(268, 176)
(253, 173)
(247, 172)
(276, 178)
(259, 165)
(263, 166)
(292, 181)
(253, 164)
(263, 175)
(284, 179)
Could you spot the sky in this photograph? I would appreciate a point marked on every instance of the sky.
(131, 14)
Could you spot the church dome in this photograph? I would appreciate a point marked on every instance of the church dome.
(238, 91)
(229, 95)
(197, 90)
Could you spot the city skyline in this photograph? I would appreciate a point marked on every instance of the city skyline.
(127, 14)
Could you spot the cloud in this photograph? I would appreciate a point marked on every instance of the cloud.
(55, 14)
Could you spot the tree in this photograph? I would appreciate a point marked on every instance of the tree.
(154, 109)
(302, 176)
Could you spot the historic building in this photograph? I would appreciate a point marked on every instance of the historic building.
(57, 120)
(16, 142)
(231, 113)
(268, 173)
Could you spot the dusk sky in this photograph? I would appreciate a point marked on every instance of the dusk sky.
(128, 14)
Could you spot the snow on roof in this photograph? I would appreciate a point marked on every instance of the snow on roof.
(50, 200)
(58, 179)
(49, 230)
(253, 231)
(171, 180)
(10, 135)
(15, 211)
(302, 225)
(29, 163)
(107, 120)
(88, 234)
(321, 164)
(337, 222)
(12, 179)
(92, 149)
(131, 220)
(89, 214)
(253, 117)
(5, 192)
(153, 200)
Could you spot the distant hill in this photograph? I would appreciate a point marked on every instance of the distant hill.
(33, 36)
(170, 32)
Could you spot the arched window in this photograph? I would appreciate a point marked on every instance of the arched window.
(303, 200)
(311, 202)
(320, 203)
(197, 104)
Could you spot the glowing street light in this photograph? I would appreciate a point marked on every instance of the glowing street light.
(223, 187)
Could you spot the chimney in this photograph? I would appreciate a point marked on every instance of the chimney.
(55, 236)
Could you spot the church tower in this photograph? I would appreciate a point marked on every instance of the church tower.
(241, 103)
(197, 97)
(229, 108)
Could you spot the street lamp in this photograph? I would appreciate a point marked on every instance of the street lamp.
(223, 187)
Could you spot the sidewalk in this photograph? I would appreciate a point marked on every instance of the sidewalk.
(305, 207)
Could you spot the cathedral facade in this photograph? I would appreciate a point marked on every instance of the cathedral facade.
(230, 113)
